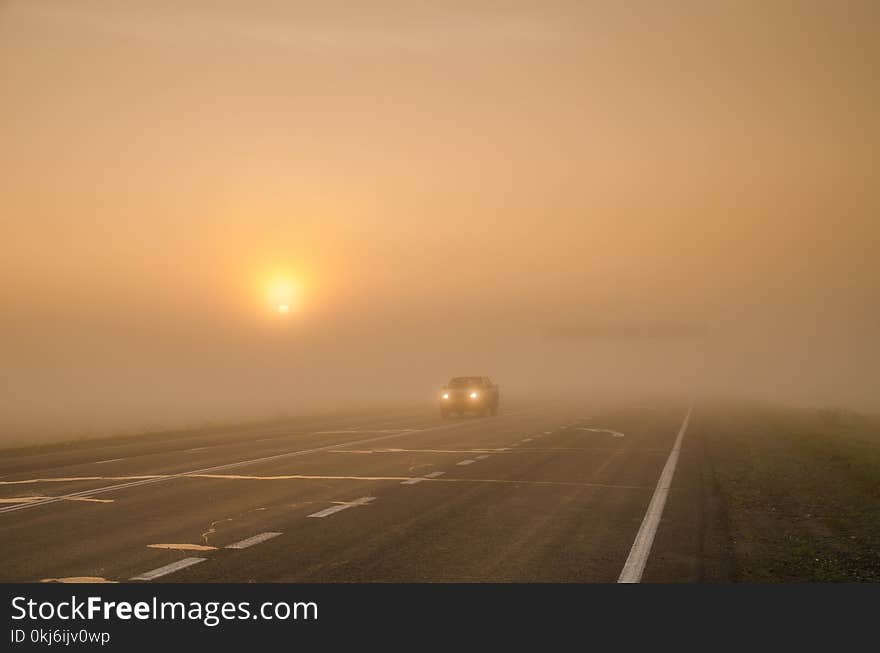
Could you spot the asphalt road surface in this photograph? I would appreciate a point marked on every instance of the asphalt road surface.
(550, 493)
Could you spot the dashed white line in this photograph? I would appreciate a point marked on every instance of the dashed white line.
(250, 541)
(168, 569)
(641, 548)
(434, 474)
(464, 463)
(112, 460)
(526, 439)
(483, 457)
(343, 506)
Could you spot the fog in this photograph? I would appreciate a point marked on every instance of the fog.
(569, 197)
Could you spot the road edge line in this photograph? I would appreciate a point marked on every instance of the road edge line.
(635, 563)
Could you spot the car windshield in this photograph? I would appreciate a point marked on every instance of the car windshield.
(465, 381)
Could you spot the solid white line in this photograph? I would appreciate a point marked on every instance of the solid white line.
(343, 506)
(466, 462)
(217, 468)
(168, 569)
(641, 548)
(250, 541)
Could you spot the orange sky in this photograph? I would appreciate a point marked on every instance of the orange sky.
(448, 184)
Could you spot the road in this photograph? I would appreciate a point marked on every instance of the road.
(549, 493)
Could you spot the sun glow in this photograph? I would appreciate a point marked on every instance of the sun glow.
(282, 294)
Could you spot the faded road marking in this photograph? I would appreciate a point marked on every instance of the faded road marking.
(368, 451)
(148, 480)
(432, 477)
(363, 501)
(294, 477)
(365, 431)
(527, 439)
(426, 477)
(616, 434)
(168, 569)
(464, 463)
(112, 460)
(183, 547)
(483, 457)
(76, 479)
(42, 498)
(78, 579)
(250, 541)
(641, 548)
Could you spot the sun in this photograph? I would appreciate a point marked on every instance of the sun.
(281, 293)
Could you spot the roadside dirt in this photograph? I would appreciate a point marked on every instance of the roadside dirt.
(797, 492)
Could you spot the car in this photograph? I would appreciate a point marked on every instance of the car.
(469, 394)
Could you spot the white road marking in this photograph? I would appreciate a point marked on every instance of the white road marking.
(168, 569)
(183, 547)
(641, 548)
(158, 479)
(372, 451)
(343, 506)
(547, 432)
(337, 431)
(527, 439)
(42, 498)
(250, 541)
(112, 460)
(464, 463)
(77, 579)
(297, 477)
(616, 434)
(483, 457)
(426, 477)
(196, 449)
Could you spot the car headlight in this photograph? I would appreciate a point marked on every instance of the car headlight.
(446, 395)
(474, 395)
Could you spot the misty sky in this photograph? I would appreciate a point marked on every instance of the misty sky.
(641, 196)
